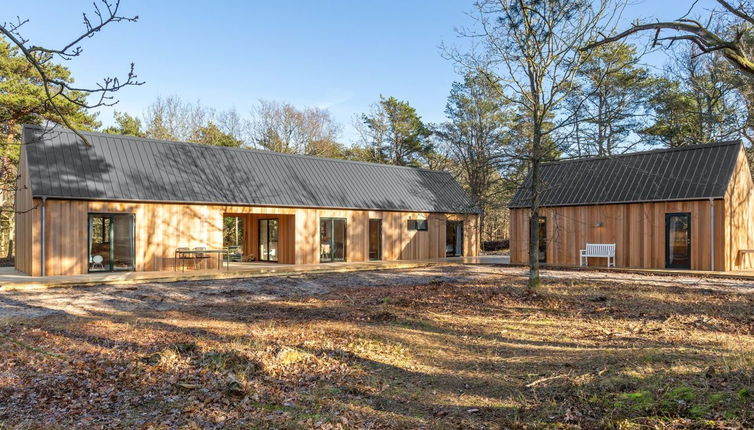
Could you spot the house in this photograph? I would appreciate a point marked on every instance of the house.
(126, 204)
(680, 208)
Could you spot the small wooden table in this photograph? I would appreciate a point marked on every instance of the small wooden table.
(744, 253)
(220, 253)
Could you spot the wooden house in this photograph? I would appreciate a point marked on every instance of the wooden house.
(681, 208)
(127, 204)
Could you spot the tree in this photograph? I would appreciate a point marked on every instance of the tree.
(610, 102)
(534, 48)
(126, 125)
(212, 135)
(725, 33)
(281, 127)
(393, 133)
(697, 102)
(59, 91)
(172, 118)
(23, 101)
(476, 137)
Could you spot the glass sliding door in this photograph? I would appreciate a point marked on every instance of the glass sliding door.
(268, 240)
(375, 239)
(454, 238)
(678, 241)
(111, 242)
(332, 239)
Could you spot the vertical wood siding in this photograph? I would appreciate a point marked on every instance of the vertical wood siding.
(739, 210)
(637, 229)
(161, 228)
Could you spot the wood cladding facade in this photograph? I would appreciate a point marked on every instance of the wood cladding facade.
(638, 229)
(160, 228)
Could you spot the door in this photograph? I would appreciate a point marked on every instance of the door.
(268, 240)
(542, 239)
(454, 238)
(375, 239)
(678, 241)
(332, 240)
(111, 242)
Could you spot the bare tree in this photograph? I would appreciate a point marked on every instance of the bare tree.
(534, 47)
(725, 32)
(105, 13)
(281, 127)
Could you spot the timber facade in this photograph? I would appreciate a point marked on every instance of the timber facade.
(127, 204)
(686, 208)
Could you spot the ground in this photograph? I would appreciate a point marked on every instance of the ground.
(440, 347)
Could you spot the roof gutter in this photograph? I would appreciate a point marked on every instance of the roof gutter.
(44, 222)
(712, 234)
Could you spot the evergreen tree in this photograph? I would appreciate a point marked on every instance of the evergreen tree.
(210, 134)
(126, 125)
(611, 102)
(393, 133)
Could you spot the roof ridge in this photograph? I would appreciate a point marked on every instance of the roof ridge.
(649, 151)
(62, 129)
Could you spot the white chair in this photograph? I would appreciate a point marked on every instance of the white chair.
(601, 250)
(97, 263)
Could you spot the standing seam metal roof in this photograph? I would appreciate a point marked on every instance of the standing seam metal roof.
(685, 173)
(128, 168)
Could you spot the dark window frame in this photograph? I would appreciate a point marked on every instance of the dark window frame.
(667, 240)
(418, 225)
(111, 258)
(379, 240)
(332, 239)
(277, 240)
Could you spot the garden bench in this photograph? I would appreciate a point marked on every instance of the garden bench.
(603, 250)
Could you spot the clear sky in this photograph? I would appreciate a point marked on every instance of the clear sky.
(337, 54)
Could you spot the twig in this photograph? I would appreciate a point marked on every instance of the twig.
(549, 378)
(31, 348)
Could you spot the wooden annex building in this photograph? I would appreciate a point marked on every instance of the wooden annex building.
(127, 204)
(682, 208)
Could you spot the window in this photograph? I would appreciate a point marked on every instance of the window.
(111, 242)
(332, 239)
(375, 239)
(418, 224)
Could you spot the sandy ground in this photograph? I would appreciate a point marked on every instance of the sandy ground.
(119, 299)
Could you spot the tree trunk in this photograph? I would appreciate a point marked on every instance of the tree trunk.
(536, 153)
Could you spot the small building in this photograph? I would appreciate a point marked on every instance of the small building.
(127, 204)
(679, 208)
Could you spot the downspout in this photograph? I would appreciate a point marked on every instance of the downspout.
(712, 234)
(44, 221)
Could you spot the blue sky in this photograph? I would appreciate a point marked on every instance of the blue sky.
(336, 54)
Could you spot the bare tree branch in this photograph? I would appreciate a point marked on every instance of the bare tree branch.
(39, 57)
(698, 34)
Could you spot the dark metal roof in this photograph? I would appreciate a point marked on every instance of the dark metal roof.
(685, 173)
(128, 168)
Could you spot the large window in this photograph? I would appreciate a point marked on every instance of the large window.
(332, 239)
(111, 242)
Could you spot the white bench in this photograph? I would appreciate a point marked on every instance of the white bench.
(604, 250)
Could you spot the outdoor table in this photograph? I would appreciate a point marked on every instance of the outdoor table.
(220, 253)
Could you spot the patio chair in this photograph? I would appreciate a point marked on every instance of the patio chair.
(183, 258)
(97, 263)
(201, 257)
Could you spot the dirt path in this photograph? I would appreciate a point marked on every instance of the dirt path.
(118, 299)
